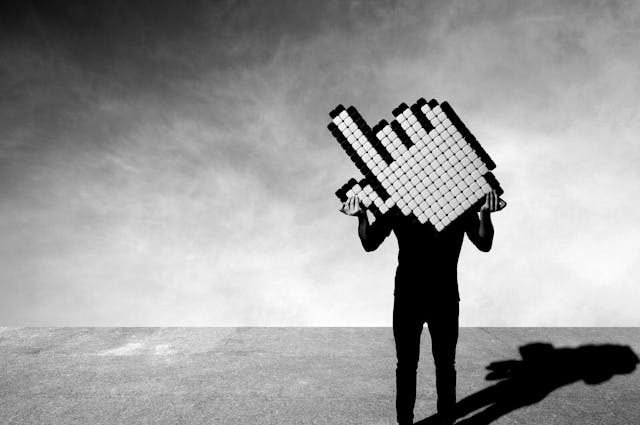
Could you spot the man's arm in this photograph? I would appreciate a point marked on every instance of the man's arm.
(480, 231)
(371, 235)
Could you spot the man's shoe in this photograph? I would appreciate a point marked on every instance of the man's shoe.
(445, 419)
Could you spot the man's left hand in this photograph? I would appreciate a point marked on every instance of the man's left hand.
(491, 203)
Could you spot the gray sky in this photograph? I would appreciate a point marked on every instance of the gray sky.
(170, 165)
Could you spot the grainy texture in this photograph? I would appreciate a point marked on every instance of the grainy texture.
(274, 376)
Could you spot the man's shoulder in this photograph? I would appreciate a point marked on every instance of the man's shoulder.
(395, 220)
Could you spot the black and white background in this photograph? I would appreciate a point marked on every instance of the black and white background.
(168, 163)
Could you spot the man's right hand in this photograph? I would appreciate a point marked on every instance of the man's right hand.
(352, 206)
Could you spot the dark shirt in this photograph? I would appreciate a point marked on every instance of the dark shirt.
(427, 259)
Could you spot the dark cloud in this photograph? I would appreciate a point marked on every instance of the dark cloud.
(176, 153)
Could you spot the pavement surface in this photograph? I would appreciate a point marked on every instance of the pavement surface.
(310, 376)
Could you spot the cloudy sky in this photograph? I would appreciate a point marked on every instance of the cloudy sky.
(165, 163)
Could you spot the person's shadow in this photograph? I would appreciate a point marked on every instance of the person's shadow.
(541, 370)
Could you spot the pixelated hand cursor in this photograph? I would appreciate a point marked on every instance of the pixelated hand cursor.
(425, 163)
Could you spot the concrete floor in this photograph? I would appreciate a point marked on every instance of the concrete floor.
(309, 376)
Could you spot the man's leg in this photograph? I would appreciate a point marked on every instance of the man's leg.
(443, 327)
(407, 327)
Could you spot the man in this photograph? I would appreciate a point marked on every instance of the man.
(426, 291)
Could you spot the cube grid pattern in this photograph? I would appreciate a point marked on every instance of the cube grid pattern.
(425, 163)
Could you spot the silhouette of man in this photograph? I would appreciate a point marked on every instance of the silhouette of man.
(426, 291)
(543, 369)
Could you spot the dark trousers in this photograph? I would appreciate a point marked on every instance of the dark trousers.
(409, 314)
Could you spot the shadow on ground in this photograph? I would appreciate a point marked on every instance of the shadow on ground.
(542, 369)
